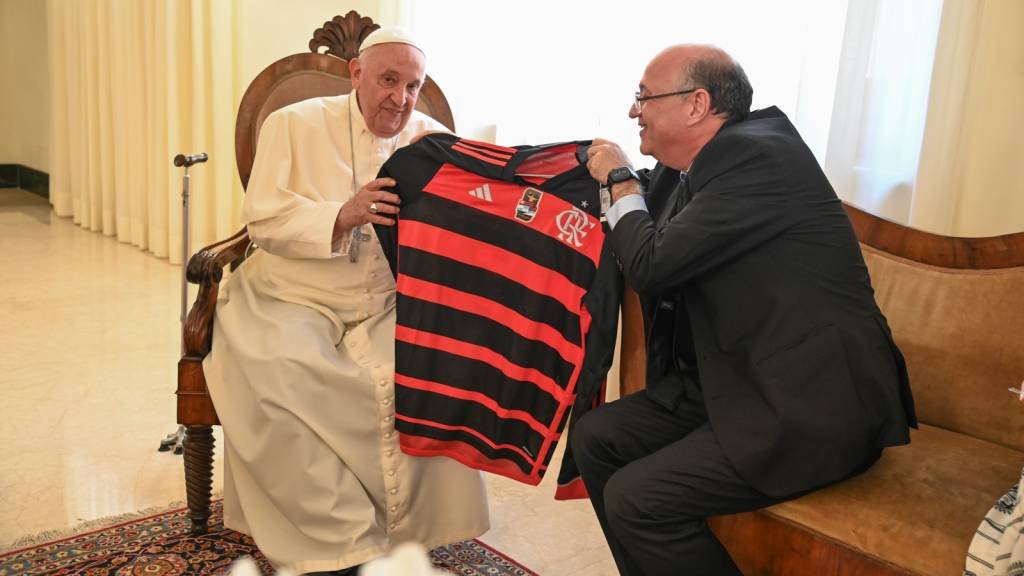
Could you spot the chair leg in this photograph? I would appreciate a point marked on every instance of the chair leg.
(199, 475)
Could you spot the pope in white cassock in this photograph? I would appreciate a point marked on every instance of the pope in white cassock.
(301, 370)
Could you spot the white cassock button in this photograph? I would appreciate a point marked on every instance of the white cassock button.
(389, 453)
(388, 435)
(393, 491)
(387, 418)
(383, 382)
(394, 508)
(391, 526)
(387, 402)
(391, 472)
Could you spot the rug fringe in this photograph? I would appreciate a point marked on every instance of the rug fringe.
(89, 526)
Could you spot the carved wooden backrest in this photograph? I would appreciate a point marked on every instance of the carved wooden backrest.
(301, 76)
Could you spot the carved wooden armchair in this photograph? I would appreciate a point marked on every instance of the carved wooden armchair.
(284, 82)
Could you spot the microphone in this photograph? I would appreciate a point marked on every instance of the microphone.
(182, 160)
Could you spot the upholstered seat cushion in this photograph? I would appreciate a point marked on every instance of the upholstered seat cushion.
(919, 506)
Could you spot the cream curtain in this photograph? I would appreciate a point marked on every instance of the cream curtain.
(971, 175)
(133, 83)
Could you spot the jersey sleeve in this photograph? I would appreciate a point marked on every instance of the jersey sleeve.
(602, 301)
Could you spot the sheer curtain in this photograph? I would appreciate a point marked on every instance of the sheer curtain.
(132, 84)
(881, 102)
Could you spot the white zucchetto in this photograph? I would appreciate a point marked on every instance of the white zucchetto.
(388, 35)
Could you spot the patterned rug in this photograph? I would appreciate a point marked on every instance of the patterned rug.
(160, 545)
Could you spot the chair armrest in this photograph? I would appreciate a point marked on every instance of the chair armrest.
(206, 268)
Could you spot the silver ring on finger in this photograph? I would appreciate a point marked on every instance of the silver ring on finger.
(373, 207)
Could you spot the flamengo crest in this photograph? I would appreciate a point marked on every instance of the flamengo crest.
(573, 226)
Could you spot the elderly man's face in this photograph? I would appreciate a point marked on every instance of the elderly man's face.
(660, 119)
(388, 78)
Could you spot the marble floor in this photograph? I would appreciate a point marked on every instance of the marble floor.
(88, 349)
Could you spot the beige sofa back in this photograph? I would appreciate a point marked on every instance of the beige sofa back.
(960, 324)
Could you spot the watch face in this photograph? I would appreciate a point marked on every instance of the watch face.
(620, 174)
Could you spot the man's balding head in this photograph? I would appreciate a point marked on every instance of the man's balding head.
(691, 90)
(711, 68)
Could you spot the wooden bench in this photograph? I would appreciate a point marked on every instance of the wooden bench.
(956, 308)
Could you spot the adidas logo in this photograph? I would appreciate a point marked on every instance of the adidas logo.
(483, 193)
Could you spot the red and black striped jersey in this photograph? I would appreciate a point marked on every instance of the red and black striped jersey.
(507, 303)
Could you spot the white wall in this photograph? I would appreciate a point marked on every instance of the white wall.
(25, 92)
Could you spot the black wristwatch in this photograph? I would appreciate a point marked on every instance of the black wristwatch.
(621, 174)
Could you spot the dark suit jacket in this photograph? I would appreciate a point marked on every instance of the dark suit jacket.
(752, 281)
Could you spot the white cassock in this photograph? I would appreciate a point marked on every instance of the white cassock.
(302, 366)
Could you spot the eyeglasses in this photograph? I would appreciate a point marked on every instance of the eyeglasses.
(639, 100)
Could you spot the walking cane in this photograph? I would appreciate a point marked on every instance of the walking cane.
(175, 439)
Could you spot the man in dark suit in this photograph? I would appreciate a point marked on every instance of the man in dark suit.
(771, 371)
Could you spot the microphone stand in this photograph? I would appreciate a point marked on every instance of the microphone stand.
(176, 439)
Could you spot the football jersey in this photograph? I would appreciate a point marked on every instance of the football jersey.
(507, 302)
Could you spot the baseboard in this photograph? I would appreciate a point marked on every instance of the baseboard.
(28, 179)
